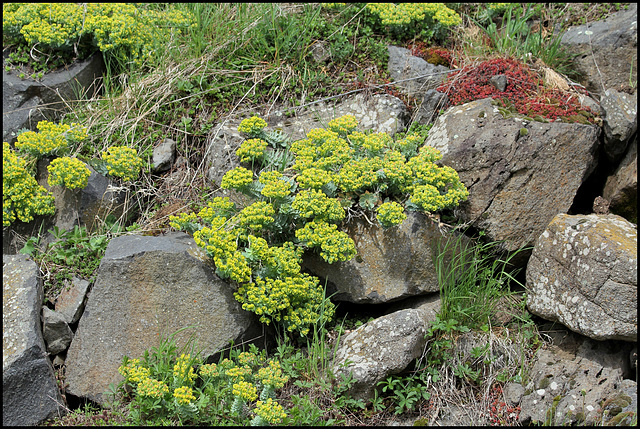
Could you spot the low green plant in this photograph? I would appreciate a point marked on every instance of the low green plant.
(173, 385)
(123, 162)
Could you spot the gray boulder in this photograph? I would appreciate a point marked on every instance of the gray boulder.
(583, 272)
(147, 287)
(26, 102)
(519, 174)
(380, 348)
(391, 264)
(56, 332)
(30, 394)
(620, 121)
(413, 74)
(575, 381)
(70, 302)
(608, 50)
(621, 188)
(163, 156)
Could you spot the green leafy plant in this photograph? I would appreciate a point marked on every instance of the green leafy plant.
(123, 162)
(68, 172)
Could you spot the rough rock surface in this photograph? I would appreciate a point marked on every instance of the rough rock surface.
(390, 265)
(379, 348)
(147, 287)
(70, 302)
(621, 188)
(576, 364)
(608, 50)
(583, 272)
(29, 391)
(519, 174)
(164, 155)
(414, 74)
(25, 102)
(621, 121)
(55, 331)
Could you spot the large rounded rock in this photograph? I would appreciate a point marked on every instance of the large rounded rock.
(148, 287)
(583, 272)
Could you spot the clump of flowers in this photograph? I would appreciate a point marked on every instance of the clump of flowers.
(251, 150)
(268, 412)
(390, 214)
(524, 93)
(68, 172)
(408, 20)
(123, 162)
(125, 32)
(252, 126)
(50, 140)
(335, 171)
(166, 387)
(22, 196)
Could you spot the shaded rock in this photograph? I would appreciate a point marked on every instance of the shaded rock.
(513, 393)
(416, 74)
(390, 265)
(380, 348)
(29, 391)
(601, 205)
(517, 181)
(620, 121)
(320, 51)
(148, 287)
(621, 188)
(564, 370)
(163, 156)
(428, 305)
(70, 302)
(608, 50)
(432, 102)
(26, 102)
(583, 273)
(499, 82)
(55, 331)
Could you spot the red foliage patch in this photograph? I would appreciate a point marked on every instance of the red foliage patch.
(525, 91)
(434, 55)
(499, 412)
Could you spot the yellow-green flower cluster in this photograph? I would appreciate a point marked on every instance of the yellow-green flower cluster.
(397, 172)
(68, 172)
(334, 245)
(311, 203)
(407, 13)
(252, 126)
(209, 371)
(343, 125)
(51, 139)
(238, 373)
(282, 260)
(22, 196)
(409, 144)
(123, 162)
(123, 30)
(152, 388)
(359, 175)
(182, 221)
(390, 214)
(183, 370)
(248, 359)
(293, 301)
(218, 207)
(313, 178)
(272, 376)
(133, 372)
(221, 246)
(270, 411)
(238, 178)
(275, 185)
(245, 391)
(251, 150)
(374, 143)
(184, 395)
(255, 217)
